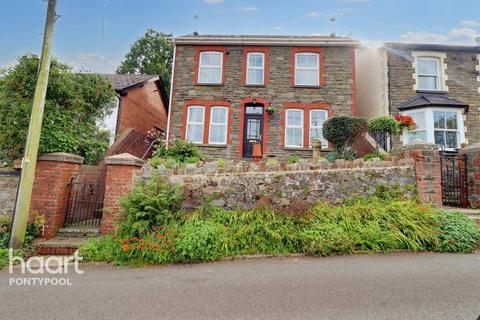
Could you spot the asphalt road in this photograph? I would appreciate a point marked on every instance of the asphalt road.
(400, 286)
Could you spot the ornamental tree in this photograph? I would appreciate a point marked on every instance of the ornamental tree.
(74, 105)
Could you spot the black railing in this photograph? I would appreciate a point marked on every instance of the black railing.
(454, 178)
(86, 202)
(381, 138)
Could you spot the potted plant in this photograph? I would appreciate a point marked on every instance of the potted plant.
(271, 110)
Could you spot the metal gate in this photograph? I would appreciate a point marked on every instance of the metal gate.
(86, 202)
(454, 179)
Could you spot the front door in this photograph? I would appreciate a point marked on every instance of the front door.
(253, 129)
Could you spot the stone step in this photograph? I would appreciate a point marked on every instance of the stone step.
(59, 245)
(78, 232)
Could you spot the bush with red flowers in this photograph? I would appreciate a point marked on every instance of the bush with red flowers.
(405, 121)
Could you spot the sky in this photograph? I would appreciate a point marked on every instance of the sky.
(95, 35)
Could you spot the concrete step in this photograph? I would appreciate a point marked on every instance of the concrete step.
(59, 245)
(78, 232)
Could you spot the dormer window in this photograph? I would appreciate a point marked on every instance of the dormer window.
(210, 67)
(430, 71)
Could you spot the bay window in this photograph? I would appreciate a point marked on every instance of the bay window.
(195, 124)
(210, 67)
(307, 66)
(294, 128)
(218, 125)
(442, 126)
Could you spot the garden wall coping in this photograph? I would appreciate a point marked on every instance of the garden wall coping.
(61, 157)
(124, 159)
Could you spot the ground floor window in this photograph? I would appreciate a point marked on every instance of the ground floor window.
(304, 125)
(195, 124)
(442, 126)
(294, 128)
(317, 118)
(218, 125)
(206, 122)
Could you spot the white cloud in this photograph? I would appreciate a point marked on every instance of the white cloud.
(92, 62)
(454, 36)
(313, 14)
(470, 23)
(277, 28)
(213, 1)
(248, 8)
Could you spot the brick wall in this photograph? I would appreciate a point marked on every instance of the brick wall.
(426, 159)
(473, 171)
(337, 92)
(462, 85)
(51, 189)
(142, 109)
(121, 170)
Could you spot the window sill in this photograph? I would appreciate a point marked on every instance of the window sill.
(209, 84)
(304, 149)
(212, 145)
(255, 85)
(432, 91)
(304, 86)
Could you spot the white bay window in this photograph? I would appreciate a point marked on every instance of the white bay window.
(442, 126)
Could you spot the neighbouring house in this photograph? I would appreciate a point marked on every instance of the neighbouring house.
(142, 104)
(437, 85)
(231, 92)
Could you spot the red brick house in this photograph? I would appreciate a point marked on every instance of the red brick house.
(142, 104)
(224, 89)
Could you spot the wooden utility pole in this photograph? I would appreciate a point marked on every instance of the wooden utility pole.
(29, 161)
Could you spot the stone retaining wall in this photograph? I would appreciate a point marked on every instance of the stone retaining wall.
(288, 187)
(8, 191)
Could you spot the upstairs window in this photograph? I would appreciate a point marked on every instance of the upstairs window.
(195, 122)
(428, 73)
(317, 118)
(294, 128)
(218, 125)
(255, 68)
(210, 67)
(307, 66)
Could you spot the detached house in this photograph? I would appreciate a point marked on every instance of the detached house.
(437, 85)
(231, 92)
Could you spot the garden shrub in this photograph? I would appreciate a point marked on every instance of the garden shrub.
(34, 226)
(293, 159)
(457, 233)
(152, 203)
(385, 124)
(342, 131)
(374, 154)
(178, 152)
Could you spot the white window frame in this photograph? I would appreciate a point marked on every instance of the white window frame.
(437, 75)
(310, 127)
(255, 68)
(195, 123)
(429, 124)
(200, 66)
(317, 69)
(441, 69)
(302, 126)
(218, 124)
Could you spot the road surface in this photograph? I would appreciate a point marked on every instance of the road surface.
(397, 286)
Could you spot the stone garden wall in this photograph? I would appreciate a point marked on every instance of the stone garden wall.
(284, 186)
(8, 191)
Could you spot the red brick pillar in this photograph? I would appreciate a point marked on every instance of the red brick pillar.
(121, 171)
(426, 158)
(51, 188)
(473, 173)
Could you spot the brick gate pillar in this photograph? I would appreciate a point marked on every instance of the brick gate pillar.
(51, 188)
(473, 171)
(426, 158)
(121, 171)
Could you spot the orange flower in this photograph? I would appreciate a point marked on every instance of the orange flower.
(159, 236)
(125, 247)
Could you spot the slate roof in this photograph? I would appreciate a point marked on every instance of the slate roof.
(431, 100)
(123, 81)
